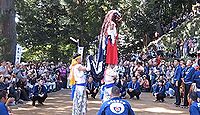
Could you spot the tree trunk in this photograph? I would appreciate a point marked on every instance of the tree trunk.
(8, 29)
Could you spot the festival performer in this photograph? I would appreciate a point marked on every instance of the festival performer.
(109, 79)
(116, 106)
(110, 35)
(78, 83)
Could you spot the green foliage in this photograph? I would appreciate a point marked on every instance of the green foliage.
(45, 26)
(43, 29)
(186, 30)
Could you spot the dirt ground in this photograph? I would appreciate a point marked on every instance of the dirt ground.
(59, 103)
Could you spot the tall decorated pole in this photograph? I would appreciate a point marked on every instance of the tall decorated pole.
(107, 51)
(107, 54)
(109, 35)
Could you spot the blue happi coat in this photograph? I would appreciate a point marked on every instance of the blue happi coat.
(195, 108)
(116, 106)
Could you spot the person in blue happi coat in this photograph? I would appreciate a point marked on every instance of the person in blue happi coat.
(187, 79)
(160, 91)
(92, 87)
(134, 88)
(3, 107)
(195, 106)
(116, 105)
(196, 79)
(169, 88)
(177, 81)
(122, 85)
(39, 93)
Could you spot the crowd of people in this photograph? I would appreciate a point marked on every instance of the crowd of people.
(175, 78)
(162, 78)
(32, 81)
(137, 74)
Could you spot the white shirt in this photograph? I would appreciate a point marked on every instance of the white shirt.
(79, 75)
(109, 76)
(112, 31)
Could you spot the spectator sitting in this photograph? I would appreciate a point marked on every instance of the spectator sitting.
(145, 84)
(7, 80)
(14, 92)
(51, 85)
(92, 88)
(122, 84)
(21, 85)
(169, 89)
(115, 105)
(3, 86)
(160, 77)
(17, 73)
(134, 88)
(160, 92)
(3, 68)
(39, 93)
(195, 107)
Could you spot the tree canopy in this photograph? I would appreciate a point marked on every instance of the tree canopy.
(45, 26)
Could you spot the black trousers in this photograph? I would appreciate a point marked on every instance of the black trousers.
(15, 94)
(92, 93)
(39, 99)
(160, 96)
(123, 94)
(177, 94)
(134, 93)
(187, 89)
(24, 95)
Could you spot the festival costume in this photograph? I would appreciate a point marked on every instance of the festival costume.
(107, 53)
(109, 83)
(80, 98)
(136, 89)
(109, 32)
(116, 106)
(78, 83)
(111, 51)
(195, 108)
(4, 109)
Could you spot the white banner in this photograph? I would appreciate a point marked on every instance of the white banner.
(18, 55)
(80, 51)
